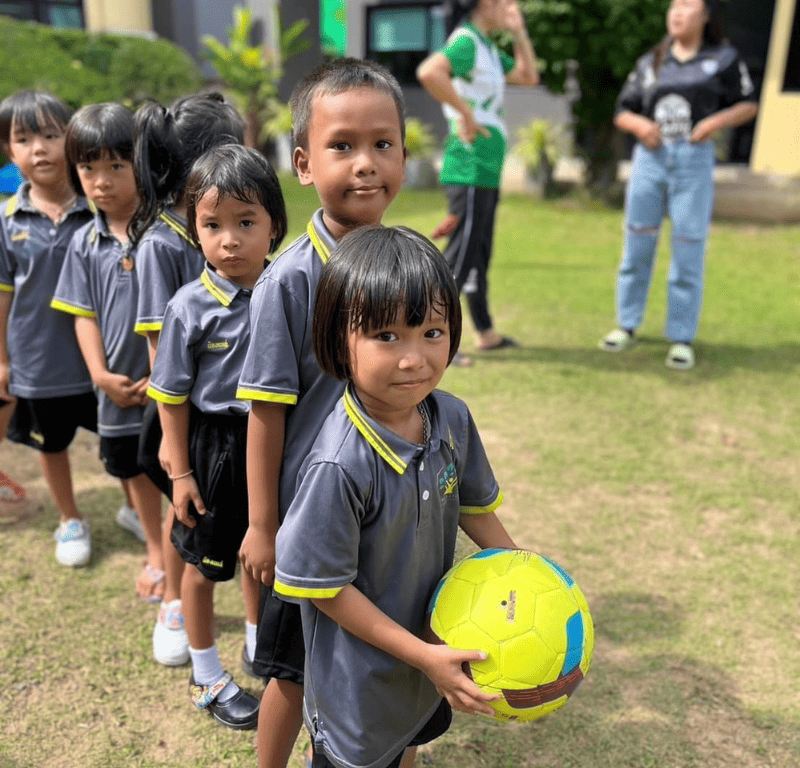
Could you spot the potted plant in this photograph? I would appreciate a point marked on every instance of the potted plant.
(420, 143)
(538, 146)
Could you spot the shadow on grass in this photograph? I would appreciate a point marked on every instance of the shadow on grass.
(714, 361)
(635, 709)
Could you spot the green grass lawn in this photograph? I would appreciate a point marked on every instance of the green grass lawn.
(671, 497)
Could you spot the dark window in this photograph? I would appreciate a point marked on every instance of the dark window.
(56, 13)
(791, 79)
(401, 36)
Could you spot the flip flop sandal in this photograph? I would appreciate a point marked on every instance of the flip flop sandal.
(150, 577)
(617, 341)
(680, 357)
(11, 492)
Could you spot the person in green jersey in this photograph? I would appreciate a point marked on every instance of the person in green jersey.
(468, 76)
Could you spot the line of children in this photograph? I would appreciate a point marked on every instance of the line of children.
(99, 286)
(349, 132)
(235, 210)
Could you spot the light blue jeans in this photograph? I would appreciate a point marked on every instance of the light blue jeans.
(675, 179)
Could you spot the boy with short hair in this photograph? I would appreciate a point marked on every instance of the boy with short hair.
(349, 134)
(40, 363)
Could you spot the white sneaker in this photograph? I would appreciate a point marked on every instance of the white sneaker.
(170, 642)
(128, 519)
(73, 543)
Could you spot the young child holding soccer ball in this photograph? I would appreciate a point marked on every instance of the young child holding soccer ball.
(400, 467)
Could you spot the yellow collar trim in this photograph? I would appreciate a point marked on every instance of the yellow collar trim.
(176, 226)
(371, 436)
(11, 205)
(217, 292)
(319, 244)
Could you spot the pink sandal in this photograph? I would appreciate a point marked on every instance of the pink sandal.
(148, 582)
(11, 492)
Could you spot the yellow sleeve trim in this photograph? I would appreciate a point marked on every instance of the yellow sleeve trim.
(71, 309)
(167, 399)
(4, 287)
(267, 397)
(483, 510)
(144, 328)
(302, 592)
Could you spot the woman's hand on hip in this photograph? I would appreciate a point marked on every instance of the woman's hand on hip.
(469, 128)
(650, 134)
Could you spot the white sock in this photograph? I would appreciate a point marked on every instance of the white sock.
(207, 669)
(250, 639)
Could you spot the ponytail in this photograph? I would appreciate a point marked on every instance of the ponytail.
(168, 141)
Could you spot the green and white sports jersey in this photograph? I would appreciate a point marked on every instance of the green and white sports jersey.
(479, 74)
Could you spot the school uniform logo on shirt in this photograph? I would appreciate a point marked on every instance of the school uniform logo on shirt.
(17, 236)
(448, 480)
(218, 345)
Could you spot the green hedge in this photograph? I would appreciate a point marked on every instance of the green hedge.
(84, 68)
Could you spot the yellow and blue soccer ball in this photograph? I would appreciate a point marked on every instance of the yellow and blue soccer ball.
(531, 619)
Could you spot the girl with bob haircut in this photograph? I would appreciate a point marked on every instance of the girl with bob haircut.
(397, 468)
(380, 274)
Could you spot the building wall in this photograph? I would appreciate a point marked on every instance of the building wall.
(776, 148)
(126, 16)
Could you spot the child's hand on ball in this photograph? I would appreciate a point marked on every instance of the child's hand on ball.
(445, 669)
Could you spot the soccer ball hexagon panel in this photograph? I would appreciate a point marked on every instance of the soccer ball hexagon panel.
(529, 616)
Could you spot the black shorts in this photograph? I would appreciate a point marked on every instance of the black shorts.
(48, 424)
(119, 456)
(437, 724)
(217, 446)
(149, 443)
(280, 649)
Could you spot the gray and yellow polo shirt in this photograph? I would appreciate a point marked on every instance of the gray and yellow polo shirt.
(479, 71)
(99, 279)
(380, 513)
(167, 259)
(44, 354)
(280, 366)
(202, 347)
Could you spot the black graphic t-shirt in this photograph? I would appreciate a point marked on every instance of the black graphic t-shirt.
(682, 93)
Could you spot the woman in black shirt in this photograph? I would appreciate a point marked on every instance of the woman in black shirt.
(687, 88)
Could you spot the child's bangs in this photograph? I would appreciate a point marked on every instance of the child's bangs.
(30, 118)
(406, 294)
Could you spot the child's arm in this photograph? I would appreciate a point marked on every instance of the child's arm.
(121, 389)
(486, 530)
(353, 611)
(175, 425)
(266, 427)
(5, 310)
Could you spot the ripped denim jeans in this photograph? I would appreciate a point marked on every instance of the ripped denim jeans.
(675, 179)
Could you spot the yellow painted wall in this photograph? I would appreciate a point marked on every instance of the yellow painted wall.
(776, 147)
(118, 16)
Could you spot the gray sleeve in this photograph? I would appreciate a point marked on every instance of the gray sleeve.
(158, 283)
(271, 369)
(73, 292)
(175, 367)
(318, 541)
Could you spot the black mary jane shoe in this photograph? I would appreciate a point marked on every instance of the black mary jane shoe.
(239, 712)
